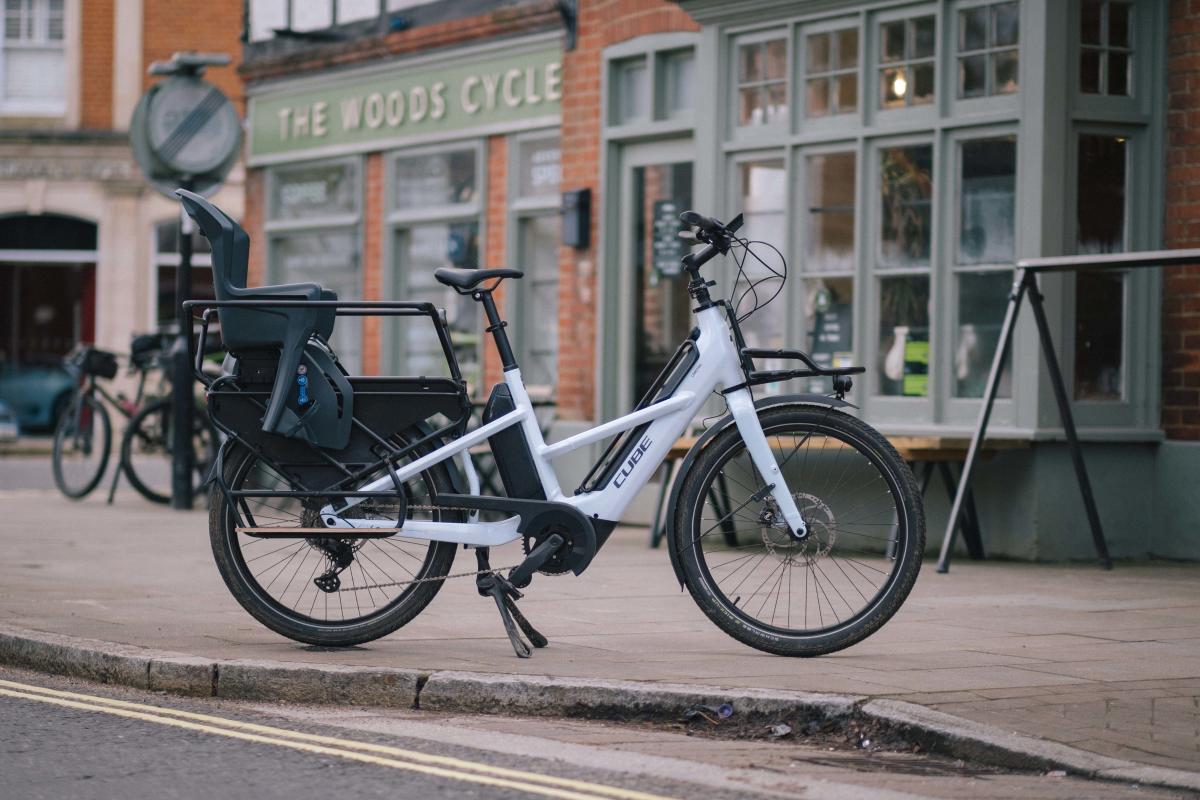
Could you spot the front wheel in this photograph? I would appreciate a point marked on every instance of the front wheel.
(81, 442)
(807, 597)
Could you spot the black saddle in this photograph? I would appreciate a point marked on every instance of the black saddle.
(465, 280)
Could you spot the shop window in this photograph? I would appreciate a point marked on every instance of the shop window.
(904, 335)
(678, 71)
(32, 57)
(831, 76)
(762, 82)
(1102, 170)
(829, 316)
(906, 205)
(314, 236)
(632, 88)
(831, 181)
(265, 17)
(764, 204)
(533, 306)
(988, 52)
(166, 266)
(435, 206)
(985, 237)
(1106, 47)
(907, 50)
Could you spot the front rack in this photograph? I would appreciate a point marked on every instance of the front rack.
(842, 382)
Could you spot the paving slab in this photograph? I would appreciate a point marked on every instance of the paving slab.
(142, 577)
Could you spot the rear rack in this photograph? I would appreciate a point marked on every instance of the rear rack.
(841, 375)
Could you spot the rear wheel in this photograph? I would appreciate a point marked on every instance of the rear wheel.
(830, 590)
(147, 450)
(81, 443)
(283, 581)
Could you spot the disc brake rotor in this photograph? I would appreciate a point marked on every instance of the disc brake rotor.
(817, 516)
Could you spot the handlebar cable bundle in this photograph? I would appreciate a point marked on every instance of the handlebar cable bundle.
(751, 289)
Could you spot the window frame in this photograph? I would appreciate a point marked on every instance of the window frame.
(159, 259)
(848, 120)
(1002, 103)
(396, 221)
(654, 48)
(786, 121)
(908, 114)
(520, 210)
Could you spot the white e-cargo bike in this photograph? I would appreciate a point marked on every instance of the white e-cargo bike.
(340, 501)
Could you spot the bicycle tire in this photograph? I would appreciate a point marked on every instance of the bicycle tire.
(711, 578)
(95, 420)
(149, 429)
(273, 612)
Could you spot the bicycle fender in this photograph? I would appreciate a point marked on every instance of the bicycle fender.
(708, 435)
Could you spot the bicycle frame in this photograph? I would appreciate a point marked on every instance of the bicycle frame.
(719, 366)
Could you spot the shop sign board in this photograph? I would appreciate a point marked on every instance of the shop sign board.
(373, 111)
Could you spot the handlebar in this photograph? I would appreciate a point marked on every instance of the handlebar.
(716, 234)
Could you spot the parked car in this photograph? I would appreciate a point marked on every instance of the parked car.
(10, 429)
(36, 391)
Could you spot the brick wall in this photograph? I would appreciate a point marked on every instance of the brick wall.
(252, 221)
(495, 248)
(372, 262)
(1181, 286)
(214, 26)
(601, 23)
(96, 65)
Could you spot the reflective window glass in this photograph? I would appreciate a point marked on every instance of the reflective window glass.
(906, 57)
(982, 301)
(903, 360)
(831, 77)
(440, 179)
(987, 201)
(831, 182)
(762, 83)
(906, 187)
(988, 54)
(1106, 47)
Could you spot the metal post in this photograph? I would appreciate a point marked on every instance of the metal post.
(181, 371)
(1068, 421)
(1020, 284)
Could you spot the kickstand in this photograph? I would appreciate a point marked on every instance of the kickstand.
(505, 594)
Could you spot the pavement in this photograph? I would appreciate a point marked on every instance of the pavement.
(1065, 664)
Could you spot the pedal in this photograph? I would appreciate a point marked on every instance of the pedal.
(522, 574)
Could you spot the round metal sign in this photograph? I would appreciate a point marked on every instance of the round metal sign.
(184, 130)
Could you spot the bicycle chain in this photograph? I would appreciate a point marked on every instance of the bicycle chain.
(415, 581)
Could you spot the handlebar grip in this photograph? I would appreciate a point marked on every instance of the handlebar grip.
(700, 221)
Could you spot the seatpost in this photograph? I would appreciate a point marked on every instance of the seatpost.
(496, 329)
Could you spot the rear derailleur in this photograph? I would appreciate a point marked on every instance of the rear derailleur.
(340, 553)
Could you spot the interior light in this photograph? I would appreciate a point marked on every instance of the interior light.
(899, 86)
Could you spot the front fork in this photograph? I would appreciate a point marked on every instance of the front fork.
(745, 416)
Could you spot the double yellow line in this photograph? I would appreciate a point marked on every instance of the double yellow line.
(365, 752)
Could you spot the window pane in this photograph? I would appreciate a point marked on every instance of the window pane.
(1006, 24)
(763, 196)
(307, 192)
(847, 48)
(982, 301)
(924, 37)
(540, 166)
(351, 10)
(891, 35)
(166, 307)
(922, 88)
(972, 76)
(420, 250)
(439, 179)
(1100, 192)
(972, 28)
(633, 91)
(1089, 71)
(679, 78)
(894, 83)
(1005, 79)
(847, 92)
(1099, 324)
(776, 59)
(750, 107)
(1118, 73)
(331, 259)
(818, 97)
(776, 102)
(37, 74)
(1118, 24)
(312, 15)
(903, 368)
(819, 55)
(906, 183)
(831, 181)
(537, 323)
(265, 17)
(829, 325)
(750, 63)
(987, 205)
(1089, 22)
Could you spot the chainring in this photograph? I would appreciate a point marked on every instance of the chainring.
(558, 563)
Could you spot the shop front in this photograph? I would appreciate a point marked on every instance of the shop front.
(373, 177)
(901, 157)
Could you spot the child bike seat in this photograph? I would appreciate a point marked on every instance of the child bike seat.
(283, 330)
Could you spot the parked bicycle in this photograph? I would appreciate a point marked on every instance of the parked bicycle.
(83, 435)
(341, 501)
